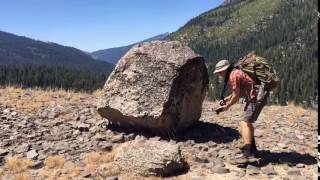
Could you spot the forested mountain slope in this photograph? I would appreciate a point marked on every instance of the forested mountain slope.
(283, 31)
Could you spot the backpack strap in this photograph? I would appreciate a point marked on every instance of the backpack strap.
(226, 79)
(224, 88)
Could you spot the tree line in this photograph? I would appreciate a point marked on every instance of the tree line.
(51, 77)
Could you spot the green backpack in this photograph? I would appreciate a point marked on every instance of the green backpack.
(259, 70)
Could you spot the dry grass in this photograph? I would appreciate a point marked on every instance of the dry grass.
(98, 157)
(31, 100)
(56, 161)
(291, 110)
(56, 167)
(75, 171)
(95, 159)
(22, 176)
(15, 165)
(17, 168)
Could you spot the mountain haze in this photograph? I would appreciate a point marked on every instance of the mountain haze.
(112, 55)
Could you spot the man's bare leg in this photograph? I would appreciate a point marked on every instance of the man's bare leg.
(247, 132)
(247, 136)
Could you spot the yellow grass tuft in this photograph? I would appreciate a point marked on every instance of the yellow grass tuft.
(97, 93)
(22, 176)
(51, 174)
(75, 171)
(15, 165)
(97, 157)
(56, 161)
(94, 159)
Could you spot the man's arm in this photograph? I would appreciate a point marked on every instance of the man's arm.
(226, 99)
(233, 99)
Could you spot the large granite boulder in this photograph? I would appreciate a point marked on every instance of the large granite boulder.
(157, 85)
(150, 158)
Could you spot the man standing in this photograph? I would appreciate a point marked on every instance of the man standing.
(242, 85)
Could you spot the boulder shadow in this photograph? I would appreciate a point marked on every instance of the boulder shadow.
(203, 132)
(200, 132)
(290, 158)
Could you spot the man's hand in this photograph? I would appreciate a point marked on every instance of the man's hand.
(222, 102)
(222, 108)
(225, 107)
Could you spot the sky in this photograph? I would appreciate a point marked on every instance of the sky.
(92, 25)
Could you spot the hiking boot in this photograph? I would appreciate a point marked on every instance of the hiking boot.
(253, 146)
(246, 156)
(247, 150)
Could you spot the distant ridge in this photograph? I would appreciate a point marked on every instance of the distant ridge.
(112, 55)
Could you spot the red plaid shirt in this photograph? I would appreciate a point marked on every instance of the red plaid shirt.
(242, 84)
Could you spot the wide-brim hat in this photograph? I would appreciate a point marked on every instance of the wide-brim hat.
(221, 66)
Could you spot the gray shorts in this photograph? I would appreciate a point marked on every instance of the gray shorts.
(253, 109)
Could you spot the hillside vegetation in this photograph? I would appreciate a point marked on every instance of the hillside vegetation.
(283, 31)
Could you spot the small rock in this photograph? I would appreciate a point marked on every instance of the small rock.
(198, 146)
(61, 146)
(282, 145)
(76, 132)
(294, 172)
(23, 148)
(219, 162)
(105, 146)
(139, 137)
(270, 171)
(300, 165)
(112, 178)
(86, 174)
(32, 154)
(240, 173)
(3, 152)
(190, 142)
(220, 170)
(99, 137)
(299, 136)
(14, 113)
(301, 178)
(1, 160)
(117, 139)
(83, 118)
(131, 136)
(201, 158)
(258, 133)
(83, 127)
(156, 138)
(212, 144)
(212, 154)
(6, 111)
(252, 170)
(205, 149)
(37, 165)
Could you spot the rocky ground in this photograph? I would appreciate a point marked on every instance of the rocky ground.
(59, 135)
